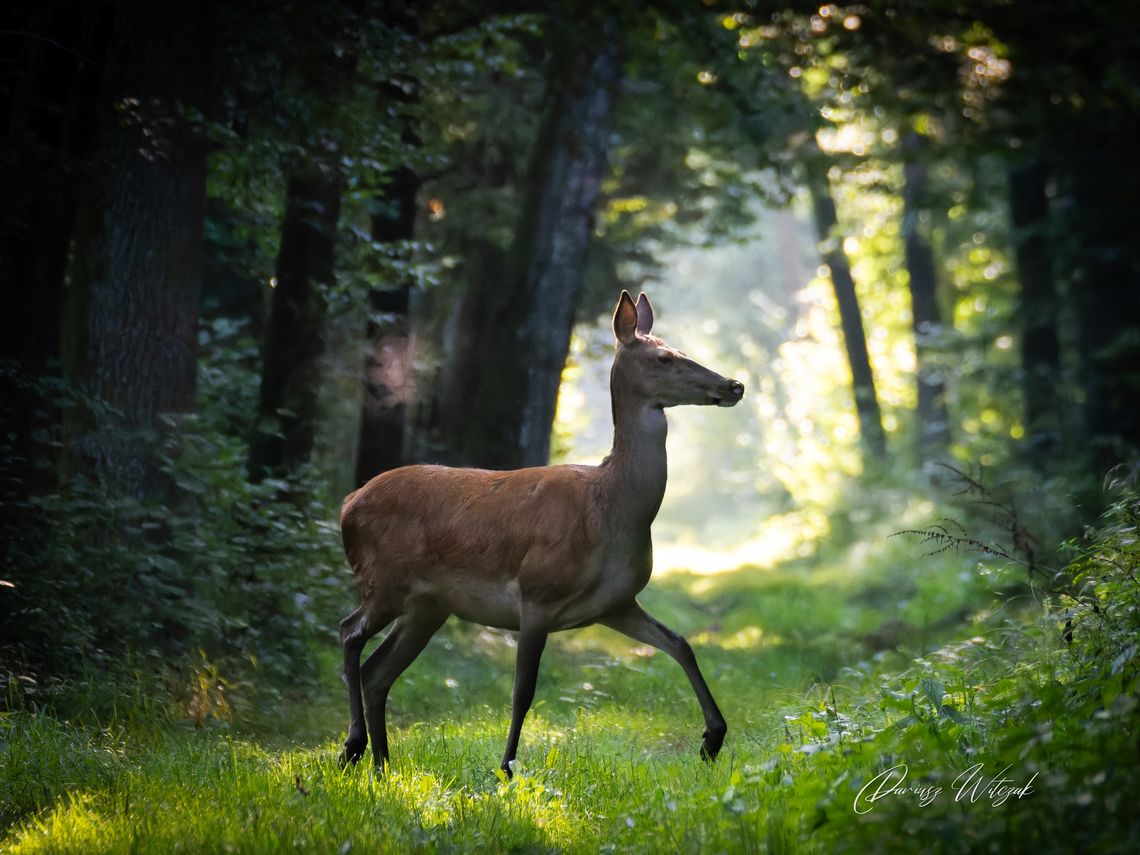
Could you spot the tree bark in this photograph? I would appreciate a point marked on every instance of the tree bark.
(388, 368)
(468, 334)
(48, 102)
(851, 320)
(931, 414)
(521, 372)
(49, 105)
(133, 305)
(287, 409)
(1107, 285)
(387, 378)
(1040, 348)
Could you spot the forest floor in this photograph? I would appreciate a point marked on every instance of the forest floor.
(804, 659)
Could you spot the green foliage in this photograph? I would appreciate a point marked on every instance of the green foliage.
(819, 699)
(609, 755)
(138, 620)
(105, 582)
(1049, 700)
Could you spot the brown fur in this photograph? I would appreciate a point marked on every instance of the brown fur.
(429, 530)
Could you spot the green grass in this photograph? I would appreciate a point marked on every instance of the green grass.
(808, 662)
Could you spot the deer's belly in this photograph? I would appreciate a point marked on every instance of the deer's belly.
(491, 605)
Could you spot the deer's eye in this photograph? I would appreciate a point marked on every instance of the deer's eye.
(664, 358)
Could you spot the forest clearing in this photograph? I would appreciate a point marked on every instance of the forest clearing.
(842, 300)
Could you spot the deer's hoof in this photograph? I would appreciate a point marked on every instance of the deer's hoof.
(713, 740)
(344, 760)
(353, 750)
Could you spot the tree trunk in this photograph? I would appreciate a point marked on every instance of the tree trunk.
(522, 368)
(931, 414)
(287, 409)
(1107, 277)
(387, 378)
(855, 341)
(388, 368)
(1040, 349)
(48, 102)
(133, 306)
(468, 334)
(49, 106)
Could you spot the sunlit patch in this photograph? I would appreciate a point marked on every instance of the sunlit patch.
(779, 538)
(743, 639)
(77, 820)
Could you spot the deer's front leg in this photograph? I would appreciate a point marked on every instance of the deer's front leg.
(530, 646)
(634, 621)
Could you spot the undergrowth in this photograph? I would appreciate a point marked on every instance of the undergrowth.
(878, 699)
(213, 569)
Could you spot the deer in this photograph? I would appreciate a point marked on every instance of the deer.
(535, 551)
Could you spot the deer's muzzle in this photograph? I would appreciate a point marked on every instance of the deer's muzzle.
(728, 394)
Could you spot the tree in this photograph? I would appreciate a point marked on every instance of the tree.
(324, 49)
(933, 420)
(851, 320)
(518, 388)
(1038, 312)
(133, 301)
(48, 100)
(387, 370)
(294, 341)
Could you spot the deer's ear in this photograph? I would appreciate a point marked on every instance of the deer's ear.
(625, 319)
(644, 315)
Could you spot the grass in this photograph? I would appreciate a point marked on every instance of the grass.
(804, 658)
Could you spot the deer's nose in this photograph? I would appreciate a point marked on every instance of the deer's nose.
(730, 393)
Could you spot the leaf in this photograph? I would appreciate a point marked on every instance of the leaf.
(953, 714)
(1123, 658)
(933, 689)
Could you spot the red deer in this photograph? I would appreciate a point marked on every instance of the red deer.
(535, 550)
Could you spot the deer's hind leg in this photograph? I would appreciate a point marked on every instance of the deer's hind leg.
(407, 639)
(355, 630)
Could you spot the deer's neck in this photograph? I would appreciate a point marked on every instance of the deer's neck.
(637, 466)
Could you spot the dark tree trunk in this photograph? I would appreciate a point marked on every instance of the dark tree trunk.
(133, 307)
(855, 341)
(1040, 349)
(47, 110)
(48, 101)
(933, 421)
(1107, 286)
(387, 379)
(388, 368)
(469, 333)
(522, 367)
(287, 409)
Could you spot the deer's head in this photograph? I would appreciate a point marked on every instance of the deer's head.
(662, 376)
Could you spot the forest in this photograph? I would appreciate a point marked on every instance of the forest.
(254, 253)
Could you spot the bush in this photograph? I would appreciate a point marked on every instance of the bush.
(1052, 701)
(242, 572)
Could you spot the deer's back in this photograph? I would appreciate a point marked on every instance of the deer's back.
(531, 532)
